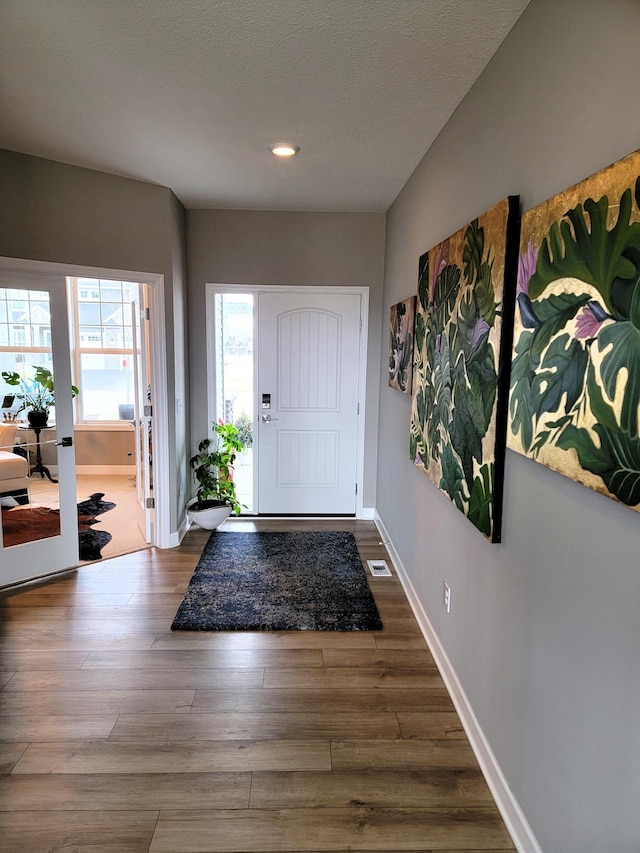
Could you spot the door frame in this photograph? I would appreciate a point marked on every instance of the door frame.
(211, 290)
(161, 535)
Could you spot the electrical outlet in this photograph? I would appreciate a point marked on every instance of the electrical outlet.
(446, 597)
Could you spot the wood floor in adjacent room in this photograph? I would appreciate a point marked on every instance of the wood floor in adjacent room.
(118, 735)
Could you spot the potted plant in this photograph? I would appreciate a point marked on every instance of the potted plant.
(212, 468)
(37, 395)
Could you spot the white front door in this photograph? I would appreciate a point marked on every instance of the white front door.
(307, 402)
(39, 536)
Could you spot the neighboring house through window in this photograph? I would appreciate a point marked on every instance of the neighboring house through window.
(25, 332)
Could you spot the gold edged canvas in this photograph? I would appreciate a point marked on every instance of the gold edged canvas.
(464, 318)
(401, 325)
(575, 377)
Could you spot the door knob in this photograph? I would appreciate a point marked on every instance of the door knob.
(266, 419)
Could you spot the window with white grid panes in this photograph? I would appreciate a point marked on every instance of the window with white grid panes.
(25, 333)
(103, 348)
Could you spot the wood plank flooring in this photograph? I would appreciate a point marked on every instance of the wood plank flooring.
(117, 734)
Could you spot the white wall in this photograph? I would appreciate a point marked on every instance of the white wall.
(285, 248)
(544, 632)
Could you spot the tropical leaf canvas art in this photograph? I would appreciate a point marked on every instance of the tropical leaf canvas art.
(401, 324)
(575, 377)
(464, 320)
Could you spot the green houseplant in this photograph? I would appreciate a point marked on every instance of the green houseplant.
(212, 468)
(37, 395)
(244, 425)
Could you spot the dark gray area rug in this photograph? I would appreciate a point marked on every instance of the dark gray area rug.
(278, 582)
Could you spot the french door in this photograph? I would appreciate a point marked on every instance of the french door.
(142, 420)
(39, 530)
(307, 402)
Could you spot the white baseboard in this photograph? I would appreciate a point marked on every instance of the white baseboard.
(173, 541)
(368, 513)
(173, 538)
(182, 530)
(129, 470)
(512, 814)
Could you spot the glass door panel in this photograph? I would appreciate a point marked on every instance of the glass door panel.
(39, 525)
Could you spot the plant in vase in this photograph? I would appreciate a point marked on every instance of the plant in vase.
(37, 395)
(212, 468)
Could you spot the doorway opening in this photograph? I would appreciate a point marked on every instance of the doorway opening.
(108, 349)
(111, 366)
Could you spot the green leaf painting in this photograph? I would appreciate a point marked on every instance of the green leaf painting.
(575, 377)
(466, 292)
(401, 333)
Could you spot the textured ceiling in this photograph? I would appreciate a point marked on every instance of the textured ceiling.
(189, 93)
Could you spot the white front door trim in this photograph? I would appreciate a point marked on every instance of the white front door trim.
(213, 289)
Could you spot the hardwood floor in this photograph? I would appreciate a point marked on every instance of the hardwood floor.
(118, 735)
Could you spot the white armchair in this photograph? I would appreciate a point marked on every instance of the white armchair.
(14, 469)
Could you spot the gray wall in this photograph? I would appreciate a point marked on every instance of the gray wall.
(177, 367)
(544, 632)
(268, 248)
(105, 447)
(54, 212)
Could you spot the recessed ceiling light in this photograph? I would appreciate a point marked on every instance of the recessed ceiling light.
(284, 149)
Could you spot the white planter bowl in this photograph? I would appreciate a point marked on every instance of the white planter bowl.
(208, 519)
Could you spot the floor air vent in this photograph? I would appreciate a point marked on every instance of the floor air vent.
(379, 568)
